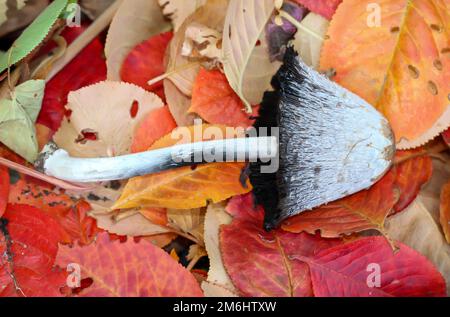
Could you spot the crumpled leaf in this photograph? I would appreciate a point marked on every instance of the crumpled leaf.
(35, 238)
(179, 10)
(246, 64)
(410, 48)
(4, 188)
(185, 187)
(33, 35)
(129, 269)
(17, 117)
(182, 69)
(93, 64)
(325, 8)
(215, 101)
(157, 124)
(201, 41)
(445, 211)
(145, 62)
(129, 29)
(365, 210)
(188, 221)
(417, 228)
(308, 46)
(104, 112)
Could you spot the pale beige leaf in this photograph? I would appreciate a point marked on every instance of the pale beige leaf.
(3, 10)
(417, 228)
(196, 252)
(134, 22)
(182, 70)
(103, 109)
(179, 105)
(201, 41)
(133, 226)
(307, 45)
(216, 216)
(179, 10)
(214, 290)
(246, 64)
(188, 221)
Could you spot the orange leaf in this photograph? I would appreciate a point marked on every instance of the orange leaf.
(214, 100)
(185, 187)
(362, 211)
(157, 124)
(400, 66)
(129, 269)
(445, 211)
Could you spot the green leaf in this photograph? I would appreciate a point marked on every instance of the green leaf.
(33, 35)
(17, 117)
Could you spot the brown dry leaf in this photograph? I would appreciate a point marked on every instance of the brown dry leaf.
(308, 46)
(179, 10)
(134, 22)
(201, 41)
(101, 124)
(218, 278)
(445, 211)
(19, 15)
(179, 104)
(188, 221)
(94, 8)
(417, 228)
(247, 63)
(182, 70)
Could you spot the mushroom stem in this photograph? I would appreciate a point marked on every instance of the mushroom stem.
(57, 162)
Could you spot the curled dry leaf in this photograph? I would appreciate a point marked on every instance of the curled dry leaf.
(179, 104)
(218, 278)
(129, 29)
(445, 211)
(201, 41)
(179, 10)
(188, 221)
(308, 46)
(417, 228)
(245, 50)
(103, 119)
(185, 187)
(129, 269)
(183, 70)
(410, 47)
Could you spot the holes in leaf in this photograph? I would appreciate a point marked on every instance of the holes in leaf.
(413, 71)
(445, 50)
(86, 135)
(395, 29)
(433, 88)
(438, 64)
(437, 28)
(134, 109)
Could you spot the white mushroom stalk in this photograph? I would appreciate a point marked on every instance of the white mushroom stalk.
(57, 163)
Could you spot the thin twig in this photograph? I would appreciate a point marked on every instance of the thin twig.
(172, 72)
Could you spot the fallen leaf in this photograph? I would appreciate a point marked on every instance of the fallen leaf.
(213, 290)
(445, 211)
(93, 65)
(33, 237)
(365, 210)
(202, 42)
(308, 46)
(179, 104)
(145, 62)
(325, 8)
(417, 228)
(347, 270)
(188, 221)
(129, 269)
(185, 187)
(215, 101)
(410, 47)
(94, 8)
(90, 106)
(4, 189)
(157, 124)
(259, 262)
(179, 10)
(245, 49)
(19, 17)
(129, 29)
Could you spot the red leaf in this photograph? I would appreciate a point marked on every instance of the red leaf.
(34, 238)
(87, 68)
(157, 124)
(365, 210)
(4, 189)
(214, 100)
(345, 271)
(145, 62)
(129, 269)
(259, 262)
(411, 176)
(446, 136)
(325, 8)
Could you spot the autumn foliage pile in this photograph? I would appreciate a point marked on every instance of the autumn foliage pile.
(196, 231)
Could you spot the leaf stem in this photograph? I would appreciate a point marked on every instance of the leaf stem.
(172, 72)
